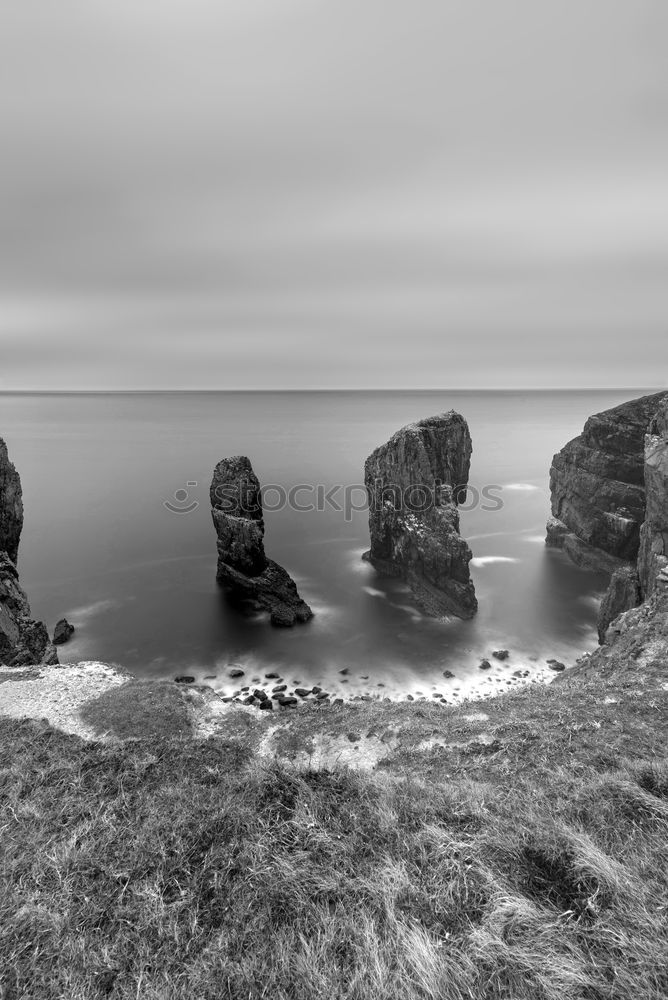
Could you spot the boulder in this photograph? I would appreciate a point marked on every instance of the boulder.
(243, 567)
(414, 483)
(62, 632)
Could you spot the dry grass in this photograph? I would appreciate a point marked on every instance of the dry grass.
(139, 709)
(167, 868)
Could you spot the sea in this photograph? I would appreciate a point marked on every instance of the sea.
(118, 536)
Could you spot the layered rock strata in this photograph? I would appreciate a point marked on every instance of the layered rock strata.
(243, 567)
(414, 483)
(653, 550)
(23, 641)
(609, 496)
(597, 487)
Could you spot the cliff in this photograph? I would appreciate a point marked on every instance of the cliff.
(609, 499)
(22, 640)
(653, 549)
(243, 567)
(11, 506)
(413, 483)
(597, 487)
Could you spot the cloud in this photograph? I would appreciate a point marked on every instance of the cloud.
(253, 193)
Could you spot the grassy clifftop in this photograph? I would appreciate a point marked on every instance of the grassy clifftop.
(513, 848)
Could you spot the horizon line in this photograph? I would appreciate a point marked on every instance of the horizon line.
(255, 389)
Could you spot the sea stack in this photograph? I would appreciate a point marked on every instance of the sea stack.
(243, 568)
(23, 641)
(414, 483)
(608, 500)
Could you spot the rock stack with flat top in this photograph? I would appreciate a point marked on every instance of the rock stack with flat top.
(414, 483)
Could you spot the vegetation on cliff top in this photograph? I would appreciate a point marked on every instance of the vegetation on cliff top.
(519, 852)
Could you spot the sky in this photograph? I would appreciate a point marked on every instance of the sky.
(352, 193)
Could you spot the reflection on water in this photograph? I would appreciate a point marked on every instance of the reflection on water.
(138, 580)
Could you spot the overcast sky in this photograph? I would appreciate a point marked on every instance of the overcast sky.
(322, 193)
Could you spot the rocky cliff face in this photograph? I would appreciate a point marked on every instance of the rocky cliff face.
(653, 552)
(413, 484)
(609, 497)
(23, 641)
(598, 490)
(638, 637)
(243, 568)
(11, 506)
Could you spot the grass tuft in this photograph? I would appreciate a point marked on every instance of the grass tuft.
(138, 709)
(168, 868)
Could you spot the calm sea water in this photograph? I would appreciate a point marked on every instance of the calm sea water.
(137, 579)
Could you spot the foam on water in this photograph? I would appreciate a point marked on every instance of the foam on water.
(479, 561)
(138, 580)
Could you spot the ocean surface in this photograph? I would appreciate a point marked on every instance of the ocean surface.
(118, 535)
